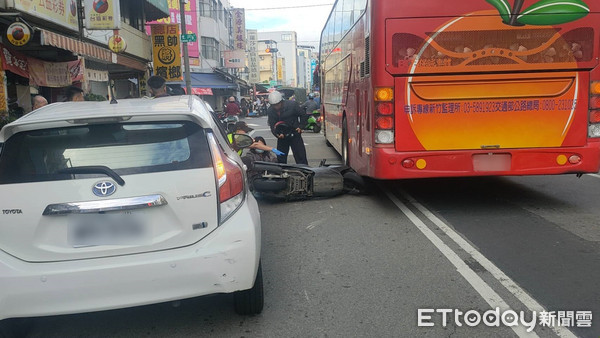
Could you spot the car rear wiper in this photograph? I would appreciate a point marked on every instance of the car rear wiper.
(94, 169)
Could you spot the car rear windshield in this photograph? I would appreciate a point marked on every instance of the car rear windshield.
(40, 155)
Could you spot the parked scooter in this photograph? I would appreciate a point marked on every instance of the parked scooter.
(314, 122)
(228, 122)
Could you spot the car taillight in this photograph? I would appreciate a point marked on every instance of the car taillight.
(384, 115)
(230, 180)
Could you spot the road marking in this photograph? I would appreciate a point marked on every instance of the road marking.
(594, 175)
(478, 284)
(312, 225)
(306, 296)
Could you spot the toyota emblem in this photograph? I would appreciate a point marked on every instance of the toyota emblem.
(104, 188)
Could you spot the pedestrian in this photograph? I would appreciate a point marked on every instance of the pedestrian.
(318, 99)
(244, 106)
(38, 102)
(310, 105)
(291, 114)
(157, 86)
(232, 108)
(240, 127)
(260, 151)
(75, 94)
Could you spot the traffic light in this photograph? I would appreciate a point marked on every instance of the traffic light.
(271, 50)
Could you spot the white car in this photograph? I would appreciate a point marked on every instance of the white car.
(105, 206)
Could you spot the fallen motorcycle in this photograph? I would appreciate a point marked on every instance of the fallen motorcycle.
(297, 182)
(293, 182)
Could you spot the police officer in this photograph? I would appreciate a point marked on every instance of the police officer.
(291, 114)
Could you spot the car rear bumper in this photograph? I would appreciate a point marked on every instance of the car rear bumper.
(225, 261)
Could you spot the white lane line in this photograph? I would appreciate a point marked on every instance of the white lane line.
(508, 283)
(484, 290)
(594, 175)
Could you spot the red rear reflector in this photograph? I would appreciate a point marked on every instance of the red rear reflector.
(574, 159)
(595, 116)
(385, 108)
(595, 102)
(408, 163)
(385, 122)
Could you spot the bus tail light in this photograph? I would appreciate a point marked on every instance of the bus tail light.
(384, 115)
(385, 122)
(594, 114)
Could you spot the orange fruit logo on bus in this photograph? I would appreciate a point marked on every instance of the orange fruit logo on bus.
(486, 96)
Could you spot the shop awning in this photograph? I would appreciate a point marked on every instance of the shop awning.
(209, 80)
(79, 47)
(156, 9)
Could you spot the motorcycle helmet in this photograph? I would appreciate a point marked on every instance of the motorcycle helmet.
(311, 96)
(283, 128)
(275, 97)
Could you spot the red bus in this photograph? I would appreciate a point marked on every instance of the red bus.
(433, 88)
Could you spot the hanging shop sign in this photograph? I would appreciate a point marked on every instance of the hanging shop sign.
(39, 72)
(117, 44)
(102, 14)
(239, 28)
(55, 74)
(18, 34)
(166, 52)
(60, 12)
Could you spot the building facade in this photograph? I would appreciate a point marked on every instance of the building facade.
(61, 52)
(286, 44)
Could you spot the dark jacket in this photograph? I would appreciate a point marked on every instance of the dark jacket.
(291, 114)
(310, 106)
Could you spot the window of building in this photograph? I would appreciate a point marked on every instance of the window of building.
(286, 37)
(220, 12)
(131, 15)
(204, 8)
(210, 49)
(214, 9)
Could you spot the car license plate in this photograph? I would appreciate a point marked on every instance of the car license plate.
(106, 229)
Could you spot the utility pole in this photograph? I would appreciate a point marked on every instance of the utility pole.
(186, 57)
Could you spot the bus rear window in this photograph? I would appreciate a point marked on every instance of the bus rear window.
(491, 49)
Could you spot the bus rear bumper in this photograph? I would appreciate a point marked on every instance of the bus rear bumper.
(387, 163)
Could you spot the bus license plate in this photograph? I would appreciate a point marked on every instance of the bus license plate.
(106, 229)
(491, 162)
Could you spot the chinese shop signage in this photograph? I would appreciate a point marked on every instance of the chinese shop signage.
(166, 53)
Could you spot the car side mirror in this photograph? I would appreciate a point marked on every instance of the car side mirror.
(241, 141)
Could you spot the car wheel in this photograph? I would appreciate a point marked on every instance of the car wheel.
(250, 302)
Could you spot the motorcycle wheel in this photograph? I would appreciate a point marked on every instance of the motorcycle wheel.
(316, 129)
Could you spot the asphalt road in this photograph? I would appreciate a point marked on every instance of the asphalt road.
(363, 265)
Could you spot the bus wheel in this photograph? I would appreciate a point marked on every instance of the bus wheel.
(344, 142)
